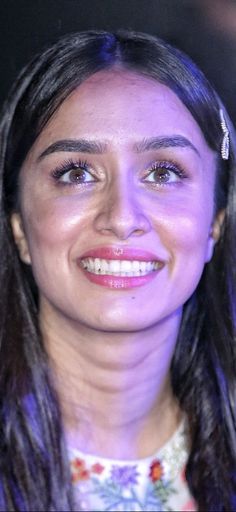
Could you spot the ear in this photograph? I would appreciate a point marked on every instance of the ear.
(214, 234)
(20, 238)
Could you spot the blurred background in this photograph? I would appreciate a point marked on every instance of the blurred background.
(205, 29)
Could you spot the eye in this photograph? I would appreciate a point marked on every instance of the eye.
(164, 173)
(73, 173)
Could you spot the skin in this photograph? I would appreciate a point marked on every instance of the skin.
(111, 349)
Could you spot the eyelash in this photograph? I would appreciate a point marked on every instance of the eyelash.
(70, 165)
(169, 166)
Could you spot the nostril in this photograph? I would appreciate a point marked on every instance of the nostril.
(122, 224)
(138, 232)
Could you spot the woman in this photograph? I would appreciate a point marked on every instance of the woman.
(118, 282)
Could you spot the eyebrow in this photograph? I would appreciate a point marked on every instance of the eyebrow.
(75, 146)
(98, 148)
(175, 141)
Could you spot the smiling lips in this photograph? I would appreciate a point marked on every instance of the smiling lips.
(118, 267)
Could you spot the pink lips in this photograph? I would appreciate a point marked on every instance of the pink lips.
(121, 253)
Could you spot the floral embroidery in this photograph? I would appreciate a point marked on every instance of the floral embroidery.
(156, 471)
(119, 490)
(154, 485)
(79, 470)
(124, 476)
(190, 506)
(183, 474)
(97, 468)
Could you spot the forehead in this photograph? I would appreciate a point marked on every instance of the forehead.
(122, 107)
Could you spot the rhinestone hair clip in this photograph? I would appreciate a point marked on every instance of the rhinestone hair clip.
(225, 141)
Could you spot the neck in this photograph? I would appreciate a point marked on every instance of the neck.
(114, 388)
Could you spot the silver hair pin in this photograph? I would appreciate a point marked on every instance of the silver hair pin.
(225, 141)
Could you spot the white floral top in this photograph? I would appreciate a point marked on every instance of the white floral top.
(152, 484)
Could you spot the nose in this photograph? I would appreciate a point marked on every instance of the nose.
(122, 215)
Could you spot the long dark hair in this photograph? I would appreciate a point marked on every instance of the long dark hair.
(34, 473)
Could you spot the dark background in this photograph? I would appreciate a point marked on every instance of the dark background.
(206, 30)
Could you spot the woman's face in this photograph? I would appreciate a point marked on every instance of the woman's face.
(117, 205)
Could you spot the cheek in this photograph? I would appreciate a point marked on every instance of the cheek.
(189, 254)
(188, 233)
(52, 220)
(185, 230)
(52, 229)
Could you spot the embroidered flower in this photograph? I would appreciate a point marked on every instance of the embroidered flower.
(124, 475)
(97, 468)
(190, 506)
(156, 471)
(78, 463)
(79, 470)
(183, 474)
(84, 475)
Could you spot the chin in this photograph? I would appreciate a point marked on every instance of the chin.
(112, 323)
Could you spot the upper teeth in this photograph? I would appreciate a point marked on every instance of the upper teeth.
(119, 267)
